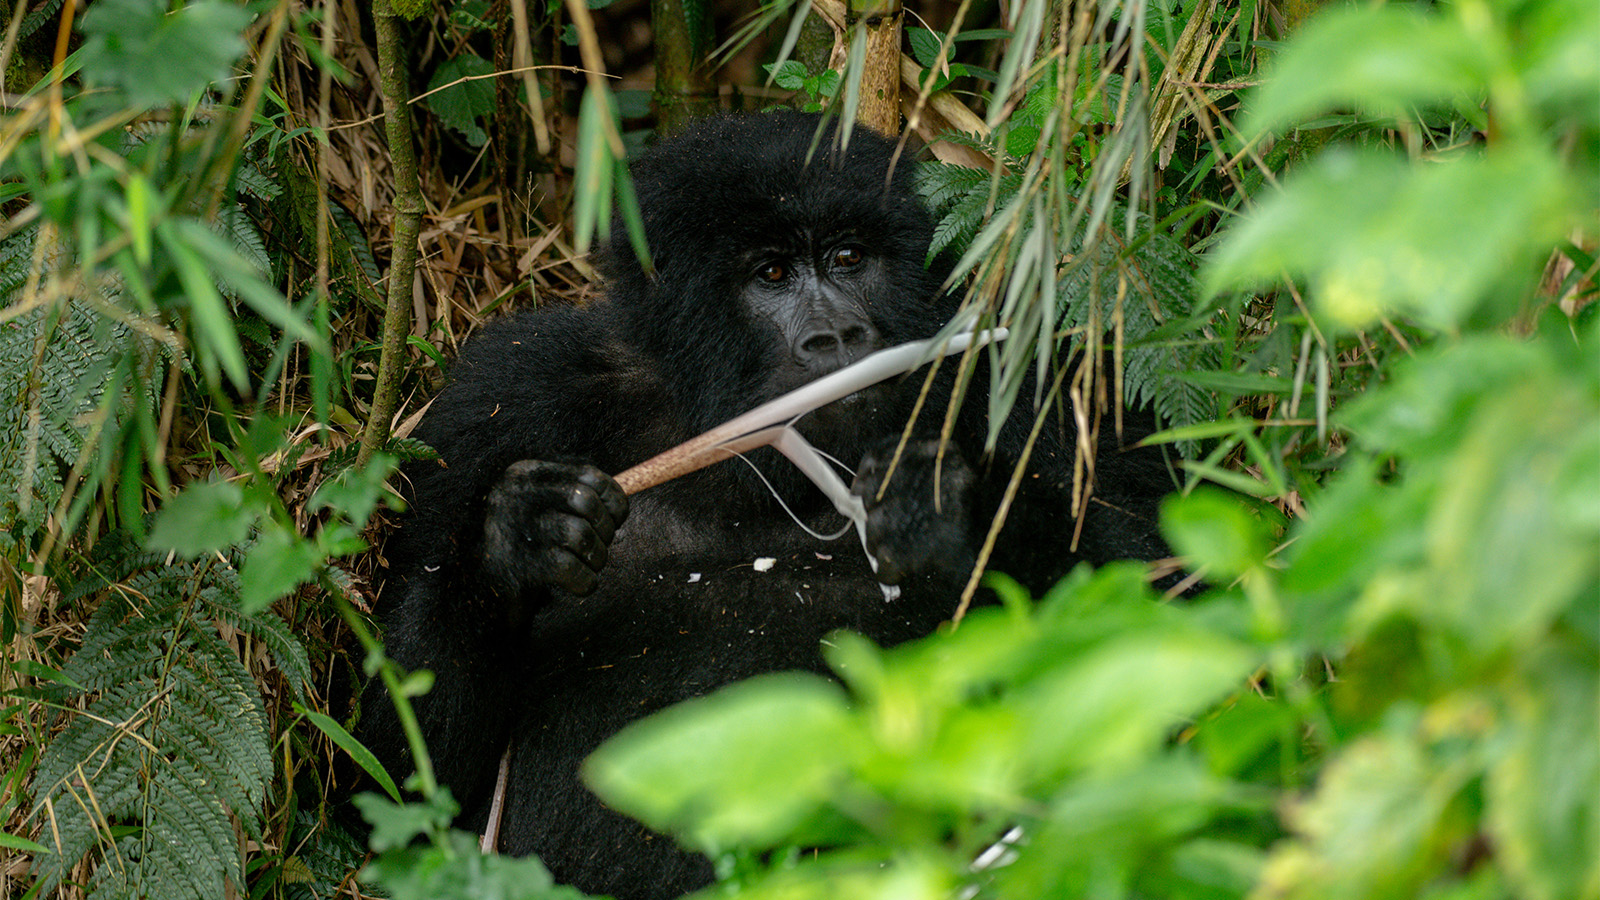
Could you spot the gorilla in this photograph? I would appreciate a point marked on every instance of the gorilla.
(553, 610)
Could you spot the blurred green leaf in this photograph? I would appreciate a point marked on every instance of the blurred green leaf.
(395, 825)
(742, 767)
(1388, 59)
(204, 517)
(594, 170)
(1379, 236)
(1128, 693)
(1103, 831)
(279, 561)
(1542, 795)
(156, 56)
(850, 877)
(225, 263)
(1376, 828)
(454, 869)
(211, 316)
(1214, 532)
(1554, 51)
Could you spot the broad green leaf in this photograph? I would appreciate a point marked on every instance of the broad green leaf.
(205, 517)
(1214, 531)
(452, 867)
(395, 825)
(1387, 59)
(740, 768)
(1379, 236)
(463, 102)
(157, 56)
(1108, 710)
(1554, 50)
(1376, 828)
(1120, 824)
(790, 76)
(355, 492)
(1544, 794)
(1505, 561)
(845, 876)
(1429, 395)
(278, 562)
(925, 45)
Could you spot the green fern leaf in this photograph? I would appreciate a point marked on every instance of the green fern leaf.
(171, 752)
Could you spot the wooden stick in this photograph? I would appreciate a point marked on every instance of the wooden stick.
(763, 425)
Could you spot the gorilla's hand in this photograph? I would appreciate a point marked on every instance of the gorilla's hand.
(911, 528)
(549, 525)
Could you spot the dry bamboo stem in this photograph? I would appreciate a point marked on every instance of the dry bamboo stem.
(763, 425)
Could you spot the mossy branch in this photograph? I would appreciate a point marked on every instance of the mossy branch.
(407, 224)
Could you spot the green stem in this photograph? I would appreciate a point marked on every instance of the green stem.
(407, 224)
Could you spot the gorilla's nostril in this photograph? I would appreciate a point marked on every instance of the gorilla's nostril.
(820, 343)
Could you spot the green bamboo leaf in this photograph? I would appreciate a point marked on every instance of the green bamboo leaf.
(140, 200)
(21, 843)
(593, 171)
(212, 320)
(358, 751)
(224, 260)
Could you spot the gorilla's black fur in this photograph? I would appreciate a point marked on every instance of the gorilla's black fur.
(769, 272)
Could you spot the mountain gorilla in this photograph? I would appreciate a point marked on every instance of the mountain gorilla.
(553, 610)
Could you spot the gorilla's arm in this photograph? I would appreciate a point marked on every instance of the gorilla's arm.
(496, 523)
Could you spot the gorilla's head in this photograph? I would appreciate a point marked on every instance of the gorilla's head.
(778, 258)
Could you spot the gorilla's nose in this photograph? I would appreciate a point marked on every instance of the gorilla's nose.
(824, 346)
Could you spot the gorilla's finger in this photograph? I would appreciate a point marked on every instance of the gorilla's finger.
(574, 534)
(609, 492)
(586, 501)
(567, 572)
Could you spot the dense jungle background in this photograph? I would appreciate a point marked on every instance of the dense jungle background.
(1346, 251)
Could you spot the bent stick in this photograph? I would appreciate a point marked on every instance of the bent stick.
(764, 424)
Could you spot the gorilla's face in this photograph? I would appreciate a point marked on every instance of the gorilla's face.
(812, 303)
(778, 259)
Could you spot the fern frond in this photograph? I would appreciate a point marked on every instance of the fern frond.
(256, 183)
(171, 752)
(1158, 288)
(359, 248)
(236, 225)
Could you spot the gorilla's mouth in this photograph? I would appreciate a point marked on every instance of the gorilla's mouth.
(861, 413)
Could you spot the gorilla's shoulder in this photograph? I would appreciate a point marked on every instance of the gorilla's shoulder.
(547, 381)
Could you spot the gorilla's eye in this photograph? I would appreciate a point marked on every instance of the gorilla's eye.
(773, 273)
(847, 256)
